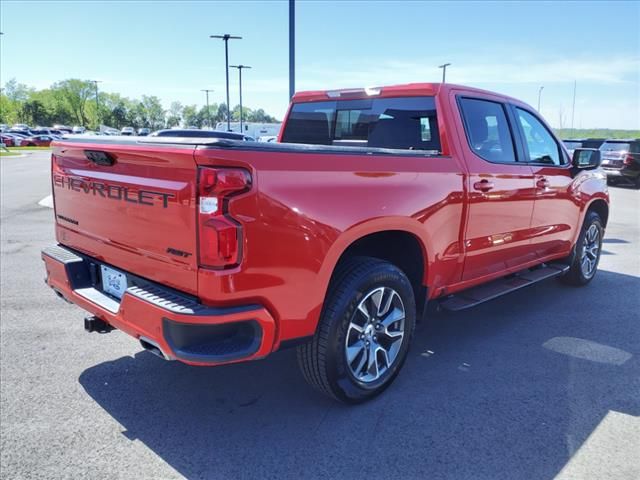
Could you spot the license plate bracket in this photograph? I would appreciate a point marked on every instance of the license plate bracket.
(113, 282)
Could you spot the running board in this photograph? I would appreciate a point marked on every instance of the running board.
(483, 293)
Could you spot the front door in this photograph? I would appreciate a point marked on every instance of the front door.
(501, 190)
(556, 211)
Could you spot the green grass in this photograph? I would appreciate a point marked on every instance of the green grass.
(14, 151)
(27, 149)
(568, 133)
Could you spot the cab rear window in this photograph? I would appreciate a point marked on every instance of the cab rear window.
(408, 123)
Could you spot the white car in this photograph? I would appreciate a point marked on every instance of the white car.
(127, 131)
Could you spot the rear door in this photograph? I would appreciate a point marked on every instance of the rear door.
(130, 206)
(500, 191)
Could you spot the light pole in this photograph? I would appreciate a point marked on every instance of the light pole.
(226, 37)
(444, 70)
(292, 48)
(96, 82)
(540, 97)
(573, 105)
(240, 67)
(208, 111)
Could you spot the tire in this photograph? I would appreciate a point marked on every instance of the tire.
(361, 284)
(636, 182)
(589, 246)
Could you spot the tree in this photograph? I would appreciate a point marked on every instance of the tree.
(175, 114)
(190, 117)
(72, 102)
(76, 93)
(208, 119)
(17, 92)
(221, 115)
(34, 113)
(260, 116)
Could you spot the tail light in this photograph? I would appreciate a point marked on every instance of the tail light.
(219, 236)
(628, 160)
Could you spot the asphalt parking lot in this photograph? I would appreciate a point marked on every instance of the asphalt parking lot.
(541, 384)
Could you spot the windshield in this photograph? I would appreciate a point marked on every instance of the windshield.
(404, 123)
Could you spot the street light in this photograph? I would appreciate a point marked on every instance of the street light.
(208, 111)
(96, 82)
(444, 70)
(240, 67)
(539, 97)
(226, 37)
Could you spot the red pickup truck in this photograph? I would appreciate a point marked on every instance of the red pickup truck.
(372, 203)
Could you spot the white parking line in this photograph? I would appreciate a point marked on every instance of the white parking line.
(46, 201)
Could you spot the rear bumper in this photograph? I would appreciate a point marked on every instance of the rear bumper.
(621, 172)
(184, 329)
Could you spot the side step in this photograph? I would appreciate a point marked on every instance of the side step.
(483, 293)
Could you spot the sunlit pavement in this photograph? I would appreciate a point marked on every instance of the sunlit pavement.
(541, 384)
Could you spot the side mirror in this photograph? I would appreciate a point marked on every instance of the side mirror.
(586, 158)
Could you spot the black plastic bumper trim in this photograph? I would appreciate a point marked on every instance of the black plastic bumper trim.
(212, 343)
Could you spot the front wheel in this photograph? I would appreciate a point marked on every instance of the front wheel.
(588, 250)
(364, 332)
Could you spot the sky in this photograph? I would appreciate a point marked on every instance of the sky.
(163, 48)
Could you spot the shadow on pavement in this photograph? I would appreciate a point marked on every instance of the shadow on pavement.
(510, 389)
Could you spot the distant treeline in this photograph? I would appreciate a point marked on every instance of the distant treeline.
(73, 102)
(568, 133)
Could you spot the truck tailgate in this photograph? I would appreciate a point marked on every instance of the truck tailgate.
(129, 205)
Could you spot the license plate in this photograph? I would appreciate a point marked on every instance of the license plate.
(113, 282)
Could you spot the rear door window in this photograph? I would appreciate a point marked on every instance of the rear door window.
(488, 130)
(408, 123)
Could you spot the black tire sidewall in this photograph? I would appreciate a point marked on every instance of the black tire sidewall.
(342, 381)
(591, 219)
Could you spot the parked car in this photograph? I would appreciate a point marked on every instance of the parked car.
(621, 161)
(143, 132)
(572, 144)
(78, 129)
(63, 128)
(8, 141)
(127, 131)
(37, 141)
(17, 137)
(26, 133)
(377, 202)
(196, 133)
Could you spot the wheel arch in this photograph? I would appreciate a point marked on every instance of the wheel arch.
(601, 207)
(397, 242)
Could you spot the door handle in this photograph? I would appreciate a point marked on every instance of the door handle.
(543, 183)
(483, 185)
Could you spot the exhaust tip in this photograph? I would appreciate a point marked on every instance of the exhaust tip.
(152, 347)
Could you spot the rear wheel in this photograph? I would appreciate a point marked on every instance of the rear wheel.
(588, 249)
(364, 332)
